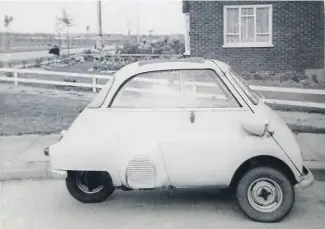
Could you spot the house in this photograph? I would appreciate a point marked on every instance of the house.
(257, 36)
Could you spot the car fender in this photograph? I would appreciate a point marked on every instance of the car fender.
(78, 153)
(268, 148)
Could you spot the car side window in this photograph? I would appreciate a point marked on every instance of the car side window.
(204, 89)
(159, 89)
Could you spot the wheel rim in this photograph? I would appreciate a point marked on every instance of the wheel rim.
(89, 182)
(265, 195)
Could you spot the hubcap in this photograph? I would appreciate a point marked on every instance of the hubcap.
(89, 182)
(265, 195)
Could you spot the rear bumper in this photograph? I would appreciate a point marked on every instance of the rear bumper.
(306, 179)
(55, 173)
(59, 174)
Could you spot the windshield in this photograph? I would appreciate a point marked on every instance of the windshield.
(244, 86)
(98, 101)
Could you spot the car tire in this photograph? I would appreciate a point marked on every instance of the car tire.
(80, 193)
(265, 194)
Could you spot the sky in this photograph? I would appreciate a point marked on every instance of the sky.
(161, 16)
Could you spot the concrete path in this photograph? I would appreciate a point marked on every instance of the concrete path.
(22, 157)
(48, 205)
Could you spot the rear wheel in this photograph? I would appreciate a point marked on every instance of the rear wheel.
(89, 186)
(265, 194)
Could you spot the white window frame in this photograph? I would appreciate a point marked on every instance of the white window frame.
(247, 44)
(187, 34)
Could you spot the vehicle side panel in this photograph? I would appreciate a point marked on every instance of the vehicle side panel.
(107, 140)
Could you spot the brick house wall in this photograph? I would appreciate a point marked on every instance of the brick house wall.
(298, 36)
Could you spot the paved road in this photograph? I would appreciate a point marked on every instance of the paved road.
(14, 56)
(32, 55)
(28, 48)
(47, 205)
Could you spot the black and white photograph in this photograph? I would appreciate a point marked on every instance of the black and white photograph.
(162, 114)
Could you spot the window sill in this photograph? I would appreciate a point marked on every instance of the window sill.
(253, 45)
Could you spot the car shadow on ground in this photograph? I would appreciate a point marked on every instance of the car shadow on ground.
(185, 196)
(200, 200)
(176, 200)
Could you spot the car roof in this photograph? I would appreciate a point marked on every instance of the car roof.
(173, 64)
(198, 60)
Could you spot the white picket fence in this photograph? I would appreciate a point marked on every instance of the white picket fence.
(15, 79)
(94, 85)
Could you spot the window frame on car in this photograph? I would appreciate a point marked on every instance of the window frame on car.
(102, 95)
(241, 106)
(243, 86)
(219, 82)
(255, 43)
(110, 105)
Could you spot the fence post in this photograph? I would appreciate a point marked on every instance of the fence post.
(94, 84)
(16, 78)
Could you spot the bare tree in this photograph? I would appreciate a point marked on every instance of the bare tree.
(129, 29)
(7, 21)
(87, 34)
(150, 35)
(67, 21)
(59, 27)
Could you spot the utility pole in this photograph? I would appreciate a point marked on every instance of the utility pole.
(138, 29)
(100, 26)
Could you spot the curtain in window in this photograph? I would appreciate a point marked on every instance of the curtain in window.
(247, 25)
(262, 25)
(232, 25)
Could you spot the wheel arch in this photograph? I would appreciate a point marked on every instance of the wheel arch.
(263, 160)
(114, 177)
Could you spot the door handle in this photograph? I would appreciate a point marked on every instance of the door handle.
(192, 117)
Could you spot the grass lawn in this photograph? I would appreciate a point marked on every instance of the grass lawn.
(34, 113)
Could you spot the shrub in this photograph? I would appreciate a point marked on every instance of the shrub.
(286, 76)
(38, 62)
(257, 76)
(9, 74)
(88, 57)
(246, 75)
(314, 78)
(96, 66)
(87, 51)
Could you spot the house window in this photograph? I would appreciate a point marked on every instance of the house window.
(248, 26)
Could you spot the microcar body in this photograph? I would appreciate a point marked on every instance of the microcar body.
(182, 123)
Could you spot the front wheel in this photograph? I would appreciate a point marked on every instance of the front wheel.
(265, 194)
(89, 186)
